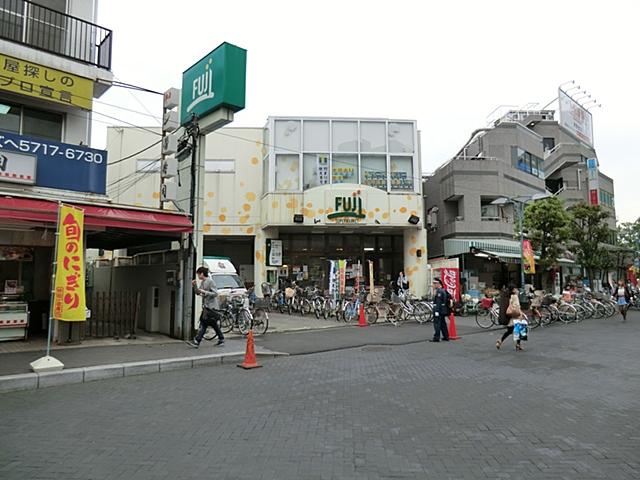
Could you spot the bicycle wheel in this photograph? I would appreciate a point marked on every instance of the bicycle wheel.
(484, 321)
(611, 308)
(371, 314)
(226, 323)
(260, 322)
(391, 314)
(534, 320)
(305, 307)
(350, 312)
(600, 310)
(581, 312)
(546, 315)
(243, 321)
(567, 313)
(421, 312)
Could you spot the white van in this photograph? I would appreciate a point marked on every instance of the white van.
(224, 274)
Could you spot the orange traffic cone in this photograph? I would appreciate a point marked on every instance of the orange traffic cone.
(453, 335)
(361, 320)
(250, 354)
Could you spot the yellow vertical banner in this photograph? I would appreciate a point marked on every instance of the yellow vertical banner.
(529, 259)
(69, 302)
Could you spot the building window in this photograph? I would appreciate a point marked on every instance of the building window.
(265, 174)
(220, 166)
(401, 137)
(527, 162)
(287, 135)
(548, 143)
(147, 165)
(316, 136)
(372, 137)
(32, 122)
(287, 172)
(487, 210)
(606, 198)
(345, 136)
(316, 169)
(401, 173)
(374, 171)
(344, 168)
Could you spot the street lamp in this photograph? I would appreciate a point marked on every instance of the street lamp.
(518, 204)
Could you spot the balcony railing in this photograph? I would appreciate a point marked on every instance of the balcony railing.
(45, 29)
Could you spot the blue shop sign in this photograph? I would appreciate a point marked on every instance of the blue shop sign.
(61, 165)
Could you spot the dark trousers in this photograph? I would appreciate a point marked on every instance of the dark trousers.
(209, 318)
(440, 328)
(508, 332)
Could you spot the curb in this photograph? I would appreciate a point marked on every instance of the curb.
(34, 381)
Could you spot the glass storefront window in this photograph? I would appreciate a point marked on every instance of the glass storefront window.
(372, 137)
(287, 135)
(401, 173)
(316, 136)
(10, 121)
(344, 169)
(401, 137)
(42, 124)
(345, 136)
(287, 172)
(315, 170)
(374, 171)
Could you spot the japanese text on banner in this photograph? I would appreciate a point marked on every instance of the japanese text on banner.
(529, 258)
(69, 302)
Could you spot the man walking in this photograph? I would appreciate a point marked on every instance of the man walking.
(440, 312)
(210, 306)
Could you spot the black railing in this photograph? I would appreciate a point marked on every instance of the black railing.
(39, 27)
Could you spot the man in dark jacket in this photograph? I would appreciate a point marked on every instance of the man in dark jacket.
(440, 311)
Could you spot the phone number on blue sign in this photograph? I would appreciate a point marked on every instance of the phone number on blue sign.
(29, 146)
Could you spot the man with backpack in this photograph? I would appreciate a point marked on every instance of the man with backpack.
(441, 308)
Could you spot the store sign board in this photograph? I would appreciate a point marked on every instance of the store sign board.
(593, 197)
(69, 301)
(59, 165)
(347, 208)
(45, 83)
(216, 81)
(274, 253)
(451, 281)
(529, 258)
(17, 167)
(575, 118)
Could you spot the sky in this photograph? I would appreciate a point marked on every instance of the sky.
(447, 65)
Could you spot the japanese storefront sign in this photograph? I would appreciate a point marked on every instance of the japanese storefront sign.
(45, 83)
(342, 269)
(347, 209)
(69, 288)
(274, 253)
(528, 257)
(575, 118)
(52, 164)
(215, 81)
(333, 274)
(451, 281)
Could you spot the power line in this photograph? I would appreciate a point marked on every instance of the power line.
(134, 154)
(150, 165)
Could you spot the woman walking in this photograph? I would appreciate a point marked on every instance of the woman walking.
(623, 298)
(513, 312)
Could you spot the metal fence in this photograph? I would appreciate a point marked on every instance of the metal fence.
(113, 314)
(56, 32)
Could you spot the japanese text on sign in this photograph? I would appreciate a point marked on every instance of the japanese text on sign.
(34, 80)
(69, 298)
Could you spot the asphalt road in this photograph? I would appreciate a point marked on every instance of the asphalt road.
(565, 408)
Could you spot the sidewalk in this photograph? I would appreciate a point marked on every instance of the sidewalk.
(96, 359)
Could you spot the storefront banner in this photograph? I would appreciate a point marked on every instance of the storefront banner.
(45, 83)
(53, 164)
(451, 281)
(631, 275)
(342, 269)
(593, 197)
(274, 254)
(371, 287)
(333, 274)
(69, 288)
(529, 258)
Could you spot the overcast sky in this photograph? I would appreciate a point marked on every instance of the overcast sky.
(446, 64)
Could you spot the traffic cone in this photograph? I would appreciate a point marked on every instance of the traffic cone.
(453, 334)
(361, 320)
(250, 354)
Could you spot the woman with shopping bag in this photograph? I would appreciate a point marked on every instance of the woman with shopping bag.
(514, 314)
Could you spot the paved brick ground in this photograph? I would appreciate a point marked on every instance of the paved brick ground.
(566, 408)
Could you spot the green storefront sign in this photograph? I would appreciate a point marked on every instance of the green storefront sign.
(347, 207)
(218, 80)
